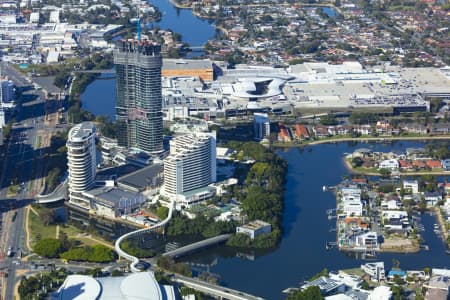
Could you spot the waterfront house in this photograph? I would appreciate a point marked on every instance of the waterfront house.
(415, 152)
(419, 164)
(363, 129)
(375, 270)
(390, 204)
(396, 273)
(301, 132)
(414, 128)
(350, 281)
(326, 285)
(394, 214)
(356, 222)
(440, 129)
(383, 128)
(368, 240)
(340, 129)
(405, 165)
(283, 134)
(432, 198)
(352, 208)
(411, 186)
(359, 181)
(446, 164)
(396, 224)
(254, 228)
(362, 152)
(433, 164)
(320, 131)
(390, 164)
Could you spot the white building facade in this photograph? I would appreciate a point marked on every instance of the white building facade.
(261, 125)
(81, 162)
(191, 164)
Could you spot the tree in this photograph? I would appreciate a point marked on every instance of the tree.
(385, 173)
(61, 79)
(365, 285)
(357, 162)
(47, 216)
(328, 120)
(310, 293)
(162, 212)
(49, 248)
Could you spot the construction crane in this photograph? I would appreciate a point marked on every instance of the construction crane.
(138, 23)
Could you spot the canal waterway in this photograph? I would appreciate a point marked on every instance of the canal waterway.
(99, 97)
(302, 252)
(194, 31)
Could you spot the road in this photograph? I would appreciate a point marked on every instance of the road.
(214, 290)
(23, 165)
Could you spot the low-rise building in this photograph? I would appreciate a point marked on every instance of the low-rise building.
(375, 270)
(113, 202)
(254, 228)
(390, 164)
(326, 285)
(411, 186)
(381, 292)
(446, 164)
(438, 288)
(368, 240)
(432, 198)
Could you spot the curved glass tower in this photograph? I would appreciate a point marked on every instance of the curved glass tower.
(139, 98)
(81, 161)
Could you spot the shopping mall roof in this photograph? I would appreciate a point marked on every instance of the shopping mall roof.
(142, 178)
(171, 64)
(137, 286)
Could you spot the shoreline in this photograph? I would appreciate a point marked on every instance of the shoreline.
(443, 226)
(362, 139)
(418, 173)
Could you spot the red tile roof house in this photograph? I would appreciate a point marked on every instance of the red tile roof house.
(434, 164)
(419, 164)
(301, 132)
(359, 180)
(320, 131)
(405, 165)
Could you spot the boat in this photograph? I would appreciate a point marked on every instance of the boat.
(324, 188)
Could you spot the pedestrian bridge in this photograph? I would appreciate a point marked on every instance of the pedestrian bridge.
(214, 290)
(134, 260)
(197, 246)
(59, 194)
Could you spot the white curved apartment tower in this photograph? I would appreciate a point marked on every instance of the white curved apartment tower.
(191, 163)
(81, 162)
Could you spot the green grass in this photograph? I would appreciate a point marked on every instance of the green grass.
(38, 230)
(12, 190)
(354, 271)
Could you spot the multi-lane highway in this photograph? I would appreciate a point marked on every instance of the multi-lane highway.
(22, 166)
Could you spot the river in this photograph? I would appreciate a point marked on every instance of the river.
(302, 252)
(193, 30)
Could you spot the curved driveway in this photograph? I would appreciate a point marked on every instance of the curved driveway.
(134, 260)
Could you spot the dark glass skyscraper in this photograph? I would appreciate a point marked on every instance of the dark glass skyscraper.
(139, 98)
